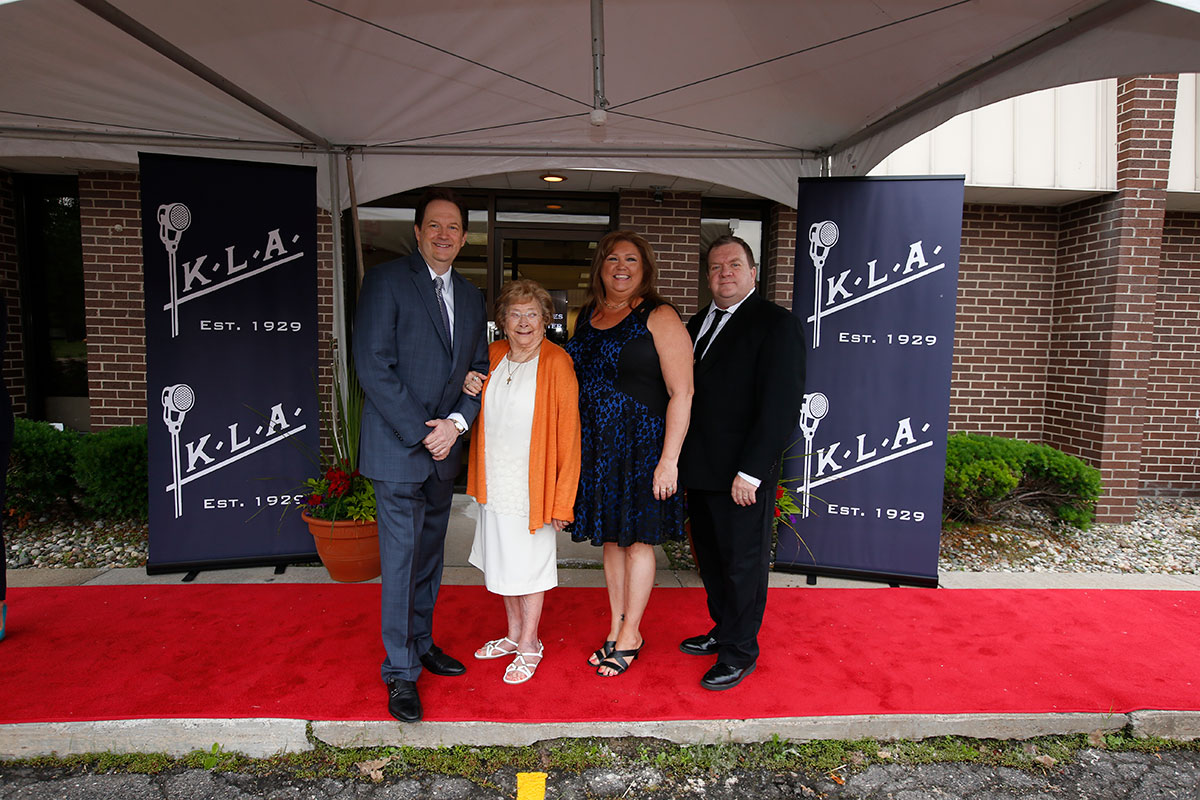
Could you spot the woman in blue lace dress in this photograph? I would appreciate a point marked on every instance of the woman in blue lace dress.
(633, 359)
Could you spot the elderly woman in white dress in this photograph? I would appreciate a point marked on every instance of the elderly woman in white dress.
(523, 469)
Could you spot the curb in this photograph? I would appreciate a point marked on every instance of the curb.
(260, 738)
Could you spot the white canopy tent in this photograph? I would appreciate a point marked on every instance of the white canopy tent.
(748, 94)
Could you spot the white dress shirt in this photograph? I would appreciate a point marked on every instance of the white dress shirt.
(448, 299)
(708, 321)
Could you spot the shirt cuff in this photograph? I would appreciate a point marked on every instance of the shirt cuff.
(454, 415)
(750, 479)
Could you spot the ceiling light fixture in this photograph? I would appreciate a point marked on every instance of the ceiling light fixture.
(554, 206)
(550, 177)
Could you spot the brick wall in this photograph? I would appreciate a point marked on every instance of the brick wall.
(111, 230)
(1171, 432)
(325, 320)
(1002, 330)
(672, 228)
(13, 369)
(1105, 300)
(779, 261)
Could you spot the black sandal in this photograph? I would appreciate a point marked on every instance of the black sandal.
(619, 660)
(602, 653)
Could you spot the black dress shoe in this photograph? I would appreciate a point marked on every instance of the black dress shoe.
(437, 662)
(724, 676)
(403, 701)
(702, 645)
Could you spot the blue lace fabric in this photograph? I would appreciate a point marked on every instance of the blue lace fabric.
(622, 406)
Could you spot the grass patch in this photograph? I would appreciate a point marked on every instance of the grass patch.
(828, 758)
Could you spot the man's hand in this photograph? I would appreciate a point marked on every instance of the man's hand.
(440, 439)
(743, 491)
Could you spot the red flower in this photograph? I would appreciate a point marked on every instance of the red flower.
(339, 481)
(778, 513)
(779, 492)
(314, 499)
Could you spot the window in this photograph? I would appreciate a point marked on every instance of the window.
(51, 270)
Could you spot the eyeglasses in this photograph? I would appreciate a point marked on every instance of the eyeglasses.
(517, 316)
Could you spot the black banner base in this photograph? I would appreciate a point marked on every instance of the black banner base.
(194, 568)
(813, 572)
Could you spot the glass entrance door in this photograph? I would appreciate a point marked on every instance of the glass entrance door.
(560, 260)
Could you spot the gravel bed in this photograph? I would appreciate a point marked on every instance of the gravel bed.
(1163, 539)
(67, 542)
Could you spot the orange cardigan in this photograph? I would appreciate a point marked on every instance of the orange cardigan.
(554, 439)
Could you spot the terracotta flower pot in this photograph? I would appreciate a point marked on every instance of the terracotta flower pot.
(349, 549)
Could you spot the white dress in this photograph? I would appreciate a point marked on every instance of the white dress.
(514, 562)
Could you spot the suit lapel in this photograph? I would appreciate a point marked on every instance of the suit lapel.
(726, 339)
(424, 287)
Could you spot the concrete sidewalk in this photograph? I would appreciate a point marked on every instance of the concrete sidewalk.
(579, 566)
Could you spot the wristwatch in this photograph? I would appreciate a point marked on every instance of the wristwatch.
(459, 426)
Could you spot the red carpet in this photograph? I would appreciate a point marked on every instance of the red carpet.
(313, 652)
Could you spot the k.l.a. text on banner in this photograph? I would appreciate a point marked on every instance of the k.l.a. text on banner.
(876, 278)
(231, 345)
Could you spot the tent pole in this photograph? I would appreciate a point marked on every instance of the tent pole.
(339, 272)
(599, 101)
(358, 253)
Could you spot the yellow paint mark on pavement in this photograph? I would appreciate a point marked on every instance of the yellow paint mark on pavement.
(531, 786)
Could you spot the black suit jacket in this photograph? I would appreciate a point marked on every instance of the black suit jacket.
(748, 391)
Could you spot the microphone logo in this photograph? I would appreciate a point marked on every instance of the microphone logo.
(177, 400)
(822, 236)
(812, 411)
(173, 220)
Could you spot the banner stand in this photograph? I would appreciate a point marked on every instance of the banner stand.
(815, 571)
(876, 289)
(229, 254)
(193, 568)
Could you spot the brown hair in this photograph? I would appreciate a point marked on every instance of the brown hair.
(449, 195)
(729, 238)
(523, 291)
(649, 265)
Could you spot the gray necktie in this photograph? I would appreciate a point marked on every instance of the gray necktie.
(437, 290)
(702, 345)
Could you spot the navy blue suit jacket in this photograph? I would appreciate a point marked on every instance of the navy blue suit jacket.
(408, 369)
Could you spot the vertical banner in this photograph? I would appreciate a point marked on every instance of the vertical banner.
(876, 278)
(230, 254)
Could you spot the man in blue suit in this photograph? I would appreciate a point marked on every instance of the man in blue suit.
(419, 329)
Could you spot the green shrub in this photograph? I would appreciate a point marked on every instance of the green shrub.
(110, 467)
(986, 474)
(39, 470)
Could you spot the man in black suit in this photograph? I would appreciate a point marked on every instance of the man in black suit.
(749, 385)
(419, 329)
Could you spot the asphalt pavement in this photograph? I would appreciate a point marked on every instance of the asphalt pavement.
(1093, 775)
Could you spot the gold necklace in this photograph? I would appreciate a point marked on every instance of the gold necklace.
(614, 306)
(513, 366)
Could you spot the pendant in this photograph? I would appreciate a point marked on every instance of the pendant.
(509, 381)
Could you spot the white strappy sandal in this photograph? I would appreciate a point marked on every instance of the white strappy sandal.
(494, 649)
(520, 670)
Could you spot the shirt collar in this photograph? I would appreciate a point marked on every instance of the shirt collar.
(712, 307)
